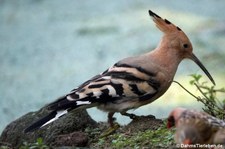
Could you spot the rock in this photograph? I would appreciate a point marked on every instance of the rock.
(73, 139)
(76, 129)
(143, 123)
(72, 124)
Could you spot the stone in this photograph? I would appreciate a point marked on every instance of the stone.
(73, 124)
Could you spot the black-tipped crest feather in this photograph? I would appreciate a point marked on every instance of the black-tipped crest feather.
(153, 14)
(163, 24)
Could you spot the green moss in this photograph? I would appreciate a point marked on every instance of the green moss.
(150, 138)
(159, 138)
(39, 144)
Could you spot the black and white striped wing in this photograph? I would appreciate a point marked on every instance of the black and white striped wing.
(120, 82)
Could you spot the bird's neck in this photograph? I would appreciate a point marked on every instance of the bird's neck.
(167, 59)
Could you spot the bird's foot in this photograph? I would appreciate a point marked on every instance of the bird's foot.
(131, 116)
(110, 130)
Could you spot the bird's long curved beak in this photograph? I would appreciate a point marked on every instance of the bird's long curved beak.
(198, 62)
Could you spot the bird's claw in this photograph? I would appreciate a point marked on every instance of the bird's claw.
(110, 130)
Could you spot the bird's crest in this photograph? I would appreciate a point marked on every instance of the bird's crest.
(163, 24)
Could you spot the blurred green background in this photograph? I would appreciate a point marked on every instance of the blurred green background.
(47, 48)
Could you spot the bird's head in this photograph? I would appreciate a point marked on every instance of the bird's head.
(174, 116)
(175, 39)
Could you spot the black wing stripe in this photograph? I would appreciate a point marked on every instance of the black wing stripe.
(123, 75)
(136, 67)
(155, 84)
(135, 89)
(118, 88)
(105, 96)
(100, 79)
(98, 85)
(147, 96)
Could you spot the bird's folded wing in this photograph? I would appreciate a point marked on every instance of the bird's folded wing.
(120, 82)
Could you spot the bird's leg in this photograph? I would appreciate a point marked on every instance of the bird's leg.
(111, 119)
(131, 116)
(113, 126)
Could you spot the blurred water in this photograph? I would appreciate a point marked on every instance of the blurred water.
(49, 47)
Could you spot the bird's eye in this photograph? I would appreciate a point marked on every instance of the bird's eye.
(185, 45)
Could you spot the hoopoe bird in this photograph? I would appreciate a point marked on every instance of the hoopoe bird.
(132, 82)
(195, 127)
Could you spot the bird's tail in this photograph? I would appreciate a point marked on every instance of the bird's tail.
(54, 115)
(59, 108)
